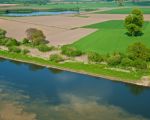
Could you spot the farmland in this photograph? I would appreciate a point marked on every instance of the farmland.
(110, 37)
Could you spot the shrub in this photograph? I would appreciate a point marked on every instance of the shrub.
(138, 51)
(56, 58)
(2, 33)
(14, 49)
(25, 51)
(140, 64)
(3, 41)
(114, 60)
(126, 62)
(70, 51)
(44, 48)
(95, 57)
(25, 41)
(12, 42)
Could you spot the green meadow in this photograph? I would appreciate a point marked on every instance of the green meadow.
(123, 11)
(111, 37)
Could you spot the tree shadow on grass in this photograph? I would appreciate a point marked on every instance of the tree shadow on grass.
(136, 35)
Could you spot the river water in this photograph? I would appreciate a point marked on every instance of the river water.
(30, 92)
(39, 13)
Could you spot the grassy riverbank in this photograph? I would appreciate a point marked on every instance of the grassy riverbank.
(90, 69)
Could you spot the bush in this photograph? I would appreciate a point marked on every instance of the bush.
(126, 62)
(12, 42)
(14, 49)
(25, 41)
(56, 58)
(3, 41)
(70, 51)
(44, 48)
(114, 60)
(25, 51)
(95, 57)
(140, 64)
(138, 51)
(2, 33)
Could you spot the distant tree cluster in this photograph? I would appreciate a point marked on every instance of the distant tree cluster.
(134, 22)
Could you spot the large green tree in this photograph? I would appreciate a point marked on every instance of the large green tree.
(134, 22)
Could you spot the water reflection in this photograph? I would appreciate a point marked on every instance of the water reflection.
(136, 90)
(33, 67)
(16, 62)
(71, 108)
(55, 71)
(30, 92)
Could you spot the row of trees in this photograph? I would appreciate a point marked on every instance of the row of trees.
(137, 56)
(35, 38)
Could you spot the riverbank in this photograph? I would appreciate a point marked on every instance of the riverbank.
(81, 68)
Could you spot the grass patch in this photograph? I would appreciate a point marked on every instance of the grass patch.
(123, 11)
(110, 37)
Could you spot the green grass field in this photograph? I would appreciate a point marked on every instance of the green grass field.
(111, 37)
(123, 11)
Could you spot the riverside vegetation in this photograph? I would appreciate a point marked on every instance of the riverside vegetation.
(131, 65)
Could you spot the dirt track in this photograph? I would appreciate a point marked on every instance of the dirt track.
(60, 29)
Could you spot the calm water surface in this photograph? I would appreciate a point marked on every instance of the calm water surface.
(40, 13)
(30, 92)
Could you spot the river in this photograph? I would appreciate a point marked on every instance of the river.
(31, 92)
(39, 13)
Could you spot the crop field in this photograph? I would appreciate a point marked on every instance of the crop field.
(123, 11)
(111, 37)
(59, 30)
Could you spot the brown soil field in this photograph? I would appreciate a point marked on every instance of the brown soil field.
(7, 5)
(59, 29)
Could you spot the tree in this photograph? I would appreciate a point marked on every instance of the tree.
(35, 36)
(138, 51)
(134, 22)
